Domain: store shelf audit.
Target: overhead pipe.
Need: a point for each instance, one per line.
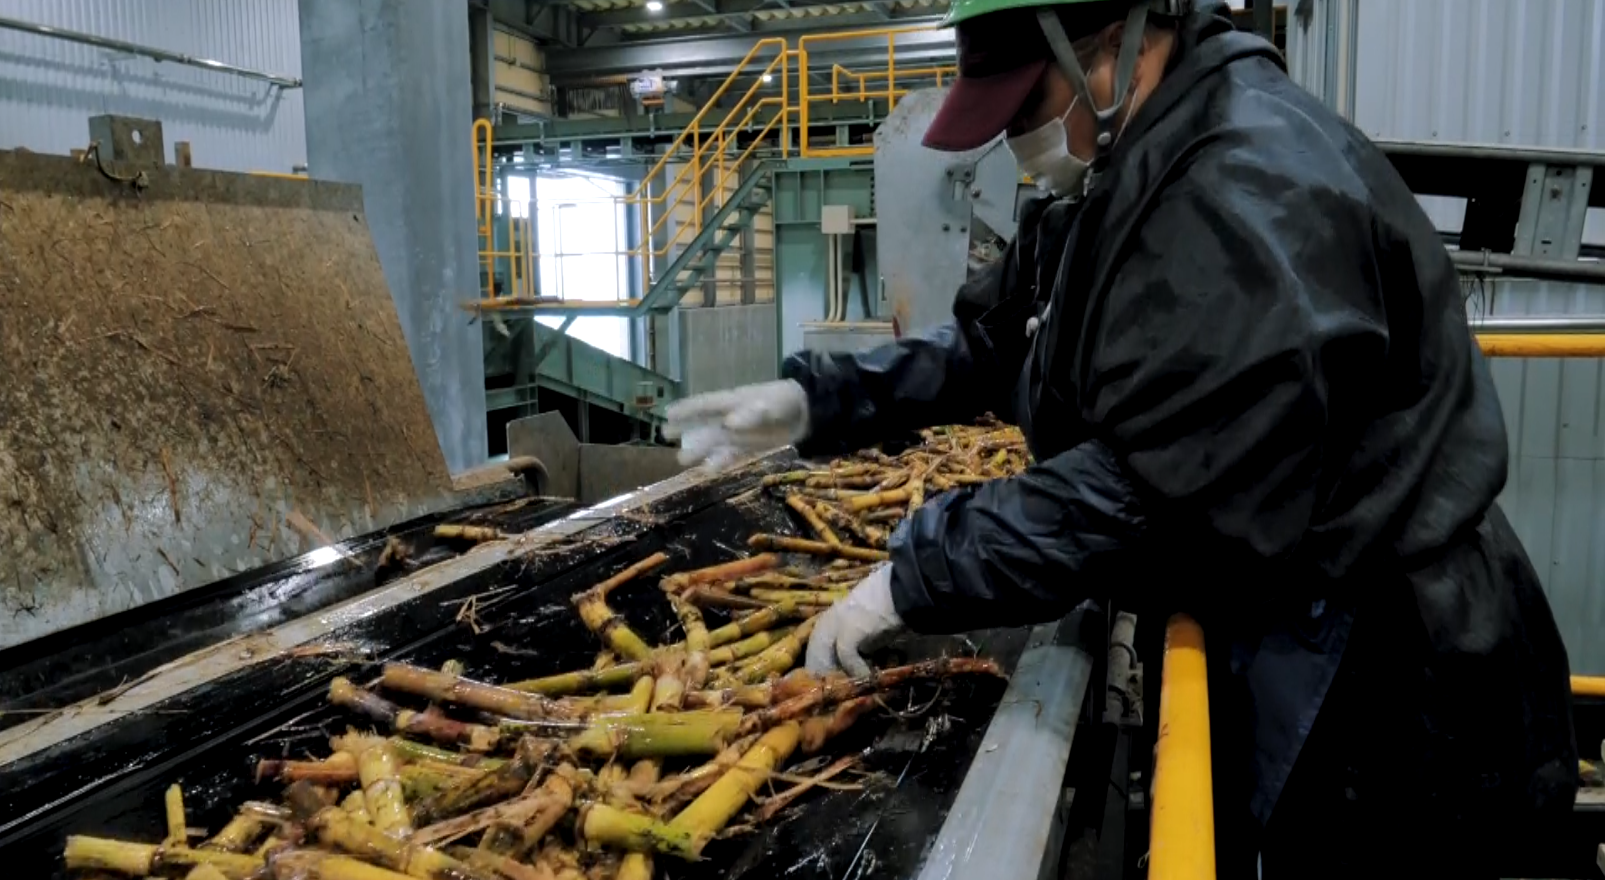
(27, 27)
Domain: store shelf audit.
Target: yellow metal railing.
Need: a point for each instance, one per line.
(688, 184)
(1181, 844)
(1562, 345)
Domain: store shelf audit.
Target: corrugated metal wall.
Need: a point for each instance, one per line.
(1517, 72)
(49, 88)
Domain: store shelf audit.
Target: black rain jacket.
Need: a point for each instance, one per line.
(1251, 395)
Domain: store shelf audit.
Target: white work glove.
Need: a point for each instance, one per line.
(717, 428)
(855, 625)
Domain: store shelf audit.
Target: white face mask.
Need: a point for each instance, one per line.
(1044, 154)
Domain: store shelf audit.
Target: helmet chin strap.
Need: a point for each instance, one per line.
(1125, 69)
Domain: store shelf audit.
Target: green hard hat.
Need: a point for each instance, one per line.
(964, 10)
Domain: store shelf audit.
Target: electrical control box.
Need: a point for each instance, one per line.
(836, 219)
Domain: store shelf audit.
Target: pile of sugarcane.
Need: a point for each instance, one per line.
(651, 752)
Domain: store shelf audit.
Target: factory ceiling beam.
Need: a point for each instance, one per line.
(552, 23)
(716, 56)
(741, 14)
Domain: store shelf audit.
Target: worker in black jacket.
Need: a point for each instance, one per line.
(1238, 351)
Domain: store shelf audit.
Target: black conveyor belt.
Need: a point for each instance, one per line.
(109, 782)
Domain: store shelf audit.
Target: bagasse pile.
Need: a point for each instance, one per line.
(649, 754)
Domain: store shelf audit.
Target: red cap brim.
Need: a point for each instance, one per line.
(978, 109)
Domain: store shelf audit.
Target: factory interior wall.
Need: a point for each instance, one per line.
(388, 105)
(1534, 79)
(49, 87)
(800, 265)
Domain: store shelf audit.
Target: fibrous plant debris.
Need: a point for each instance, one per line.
(609, 771)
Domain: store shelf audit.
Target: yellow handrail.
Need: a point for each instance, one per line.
(1563, 345)
(1181, 842)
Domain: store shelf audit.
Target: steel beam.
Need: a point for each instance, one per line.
(730, 10)
(711, 56)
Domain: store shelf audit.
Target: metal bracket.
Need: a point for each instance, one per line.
(1554, 207)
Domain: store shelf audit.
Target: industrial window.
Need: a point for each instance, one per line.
(580, 229)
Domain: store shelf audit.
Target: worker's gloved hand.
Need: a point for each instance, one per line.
(855, 625)
(717, 428)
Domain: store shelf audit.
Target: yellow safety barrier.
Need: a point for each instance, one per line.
(1181, 843)
(1588, 686)
(1556, 345)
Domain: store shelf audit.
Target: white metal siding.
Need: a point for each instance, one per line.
(1531, 73)
(49, 88)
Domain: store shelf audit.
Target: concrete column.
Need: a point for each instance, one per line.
(388, 106)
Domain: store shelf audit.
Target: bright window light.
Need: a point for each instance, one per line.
(768, 77)
(654, 5)
(323, 556)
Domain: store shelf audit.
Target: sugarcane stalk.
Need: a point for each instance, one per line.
(504, 782)
(656, 735)
(784, 799)
(696, 629)
(605, 659)
(177, 825)
(800, 597)
(431, 724)
(582, 681)
(787, 478)
(411, 751)
(379, 770)
(309, 864)
(813, 519)
(356, 806)
(557, 792)
(668, 687)
(747, 647)
(721, 598)
(237, 835)
(140, 860)
(706, 816)
(836, 690)
(205, 872)
(833, 494)
(474, 694)
(422, 780)
(499, 864)
(478, 534)
(670, 794)
(888, 514)
(819, 729)
(334, 827)
(724, 571)
(600, 619)
(749, 625)
(881, 499)
(515, 812)
(834, 481)
(817, 548)
(778, 658)
(606, 825)
(339, 768)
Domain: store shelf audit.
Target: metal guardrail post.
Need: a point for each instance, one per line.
(1182, 831)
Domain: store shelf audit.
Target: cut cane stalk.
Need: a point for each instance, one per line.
(177, 825)
(478, 534)
(411, 751)
(500, 865)
(334, 827)
(430, 724)
(656, 735)
(339, 768)
(356, 806)
(813, 519)
(205, 872)
(818, 730)
(504, 782)
(836, 690)
(238, 835)
(747, 647)
(605, 825)
(817, 548)
(801, 597)
(696, 629)
(474, 694)
(758, 621)
(600, 619)
(708, 814)
(378, 769)
(881, 499)
(778, 658)
(141, 860)
(677, 583)
(313, 865)
(582, 681)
